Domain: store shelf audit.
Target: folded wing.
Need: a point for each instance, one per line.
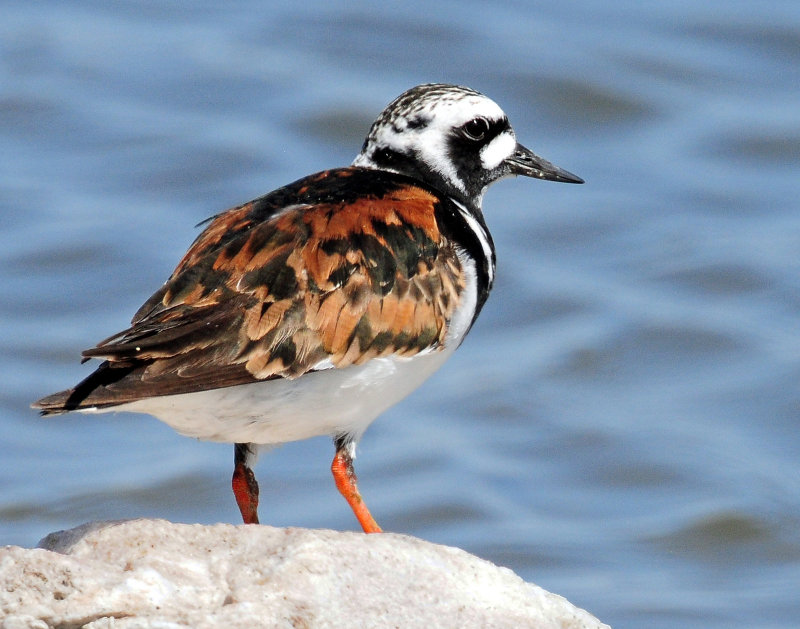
(276, 290)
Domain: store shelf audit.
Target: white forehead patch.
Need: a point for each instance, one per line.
(500, 148)
(456, 112)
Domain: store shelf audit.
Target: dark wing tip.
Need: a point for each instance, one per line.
(52, 404)
(91, 392)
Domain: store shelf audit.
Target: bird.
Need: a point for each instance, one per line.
(312, 309)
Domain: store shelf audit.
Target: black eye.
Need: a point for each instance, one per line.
(476, 129)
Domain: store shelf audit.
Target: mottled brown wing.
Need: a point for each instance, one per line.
(328, 283)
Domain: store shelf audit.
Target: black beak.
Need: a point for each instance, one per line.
(525, 162)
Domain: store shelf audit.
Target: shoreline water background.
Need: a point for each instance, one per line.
(621, 425)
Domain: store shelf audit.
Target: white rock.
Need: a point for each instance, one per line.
(155, 574)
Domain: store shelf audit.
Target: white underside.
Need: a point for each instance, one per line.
(328, 402)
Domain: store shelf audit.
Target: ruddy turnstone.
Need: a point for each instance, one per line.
(311, 310)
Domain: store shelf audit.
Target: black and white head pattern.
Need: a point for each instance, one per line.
(450, 137)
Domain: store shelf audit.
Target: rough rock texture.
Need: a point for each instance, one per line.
(152, 573)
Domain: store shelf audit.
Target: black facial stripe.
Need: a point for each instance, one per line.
(464, 154)
(455, 227)
(411, 166)
(496, 127)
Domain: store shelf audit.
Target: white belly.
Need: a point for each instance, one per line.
(329, 402)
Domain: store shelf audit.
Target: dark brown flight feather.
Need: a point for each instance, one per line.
(342, 266)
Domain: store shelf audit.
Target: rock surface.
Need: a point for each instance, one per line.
(152, 573)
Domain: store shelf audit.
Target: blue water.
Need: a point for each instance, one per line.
(622, 426)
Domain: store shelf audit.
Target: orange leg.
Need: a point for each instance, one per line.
(346, 483)
(244, 483)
